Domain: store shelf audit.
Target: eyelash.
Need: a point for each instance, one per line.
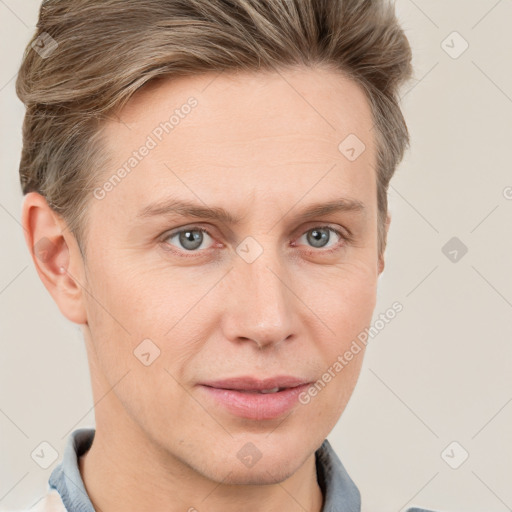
(345, 237)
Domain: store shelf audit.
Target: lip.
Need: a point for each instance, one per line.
(248, 383)
(239, 395)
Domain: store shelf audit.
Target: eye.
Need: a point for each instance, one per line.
(194, 239)
(189, 239)
(320, 236)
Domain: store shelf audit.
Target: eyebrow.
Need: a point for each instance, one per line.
(183, 208)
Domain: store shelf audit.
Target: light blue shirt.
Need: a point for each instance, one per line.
(340, 492)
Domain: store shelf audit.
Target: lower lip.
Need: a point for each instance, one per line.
(256, 406)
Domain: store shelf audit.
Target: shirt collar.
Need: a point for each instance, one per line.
(339, 491)
(66, 477)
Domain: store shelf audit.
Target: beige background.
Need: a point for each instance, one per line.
(440, 372)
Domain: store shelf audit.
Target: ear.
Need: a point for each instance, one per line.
(381, 263)
(56, 256)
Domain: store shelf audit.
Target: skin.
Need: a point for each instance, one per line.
(263, 150)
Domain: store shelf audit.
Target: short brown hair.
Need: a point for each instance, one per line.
(108, 49)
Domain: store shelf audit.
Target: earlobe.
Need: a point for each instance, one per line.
(55, 255)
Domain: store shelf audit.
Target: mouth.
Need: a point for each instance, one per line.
(256, 385)
(262, 391)
(256, 399)
(256, 391)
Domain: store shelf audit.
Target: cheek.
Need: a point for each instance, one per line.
(134, 310)
(118, 309)
(128, 290)
(345, 303)
(128, 316)
(343, 297)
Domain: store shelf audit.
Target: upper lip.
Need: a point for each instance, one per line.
(248, 383)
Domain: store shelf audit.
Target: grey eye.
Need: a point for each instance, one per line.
(189, 239)
(319, 237)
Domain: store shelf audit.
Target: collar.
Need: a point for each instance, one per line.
(66, 477)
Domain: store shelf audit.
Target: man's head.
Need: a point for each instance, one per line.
(257, 112)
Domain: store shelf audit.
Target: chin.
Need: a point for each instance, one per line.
(263, 474)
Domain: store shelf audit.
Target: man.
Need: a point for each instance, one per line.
(205, 190)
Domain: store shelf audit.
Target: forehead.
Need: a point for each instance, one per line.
(284, 128)
(324, 100)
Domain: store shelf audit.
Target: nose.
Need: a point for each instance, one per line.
(260, 308)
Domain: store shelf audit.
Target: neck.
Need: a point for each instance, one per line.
(120, 474)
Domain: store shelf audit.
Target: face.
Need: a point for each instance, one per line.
(240, 282)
